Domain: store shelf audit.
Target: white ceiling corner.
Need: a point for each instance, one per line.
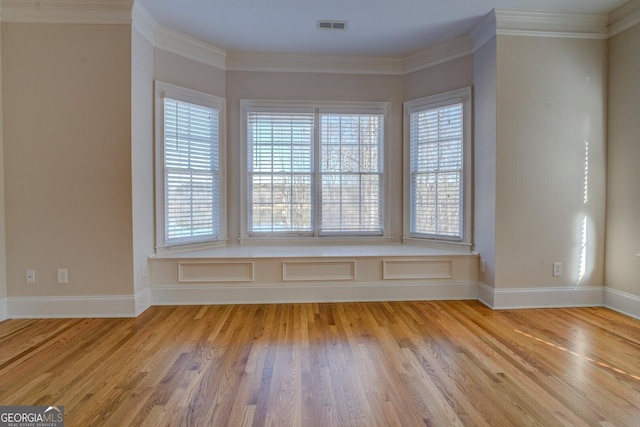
(444, 52)
(402, 28)
(624, 18)
(484, 31)
(190, 47)
(143, 22)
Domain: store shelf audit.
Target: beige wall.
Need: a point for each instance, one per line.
(551, 99)
(623, 172)
(313, 87)
(67, 140)
(440, 78)
(77, 138)
(484, 91)
(142, 63)
(181, 71)
(3, 238)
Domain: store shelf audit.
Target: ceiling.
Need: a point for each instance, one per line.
(393, 28)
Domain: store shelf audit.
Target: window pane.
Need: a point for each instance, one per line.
(436, 204)
(281, 203)
(436, 171)
(280, 165)
(351, 173)
(351, 203)
(189, 204)
(191, 169)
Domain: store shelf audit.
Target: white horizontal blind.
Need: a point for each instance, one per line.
(436, 187)
(351, 170)
(191, 172)
(280, 172)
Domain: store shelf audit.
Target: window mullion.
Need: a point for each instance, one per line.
(316, 175)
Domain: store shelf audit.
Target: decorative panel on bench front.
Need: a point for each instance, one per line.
(215, 271)
(318, 270)
(417, 269)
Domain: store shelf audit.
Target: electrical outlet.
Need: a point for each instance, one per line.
(557, 269)
(483, 265)
(63, 275)
(31, 276)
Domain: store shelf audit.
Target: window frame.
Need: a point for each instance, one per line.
(317, 108)
(166, 90)
(463, 96)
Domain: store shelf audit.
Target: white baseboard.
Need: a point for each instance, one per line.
(268, 294)
(142, 301)
(3, 309)
(132, 306)
(71, 306)
(580, 296)
(622, 302)
(485, 294)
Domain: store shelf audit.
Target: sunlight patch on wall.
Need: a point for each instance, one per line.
(582, 264)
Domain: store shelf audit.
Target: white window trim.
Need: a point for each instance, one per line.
(464, 96)
(166, 90)
(249, 105)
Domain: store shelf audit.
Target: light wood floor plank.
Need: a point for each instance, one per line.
(340, 364)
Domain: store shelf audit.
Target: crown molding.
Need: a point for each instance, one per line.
(551, 24)
(303, 63)
(540, 24)
(484, 31)
(624, 18)
(67, 11)
(497, 22)
(190, 47)
(439, 54)
(448, 51)
(143, 22)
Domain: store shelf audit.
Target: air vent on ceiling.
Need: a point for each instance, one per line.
(332, 25)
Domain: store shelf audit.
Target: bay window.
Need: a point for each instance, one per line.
(313, 169)
(189, 172)
(437, 171)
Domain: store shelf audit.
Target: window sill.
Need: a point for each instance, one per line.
(170, 250)
(315, 241)
(315, 251)
(438, 244)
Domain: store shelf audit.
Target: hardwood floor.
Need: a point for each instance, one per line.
(343, 364)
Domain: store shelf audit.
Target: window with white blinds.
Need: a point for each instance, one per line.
(437, 166)
(280, 172)
(351, 173)
(314, 171)
(191, 172)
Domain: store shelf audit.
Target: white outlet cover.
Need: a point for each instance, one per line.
(63, 275)
(31, 276)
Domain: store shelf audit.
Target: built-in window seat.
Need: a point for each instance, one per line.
(313, 273)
